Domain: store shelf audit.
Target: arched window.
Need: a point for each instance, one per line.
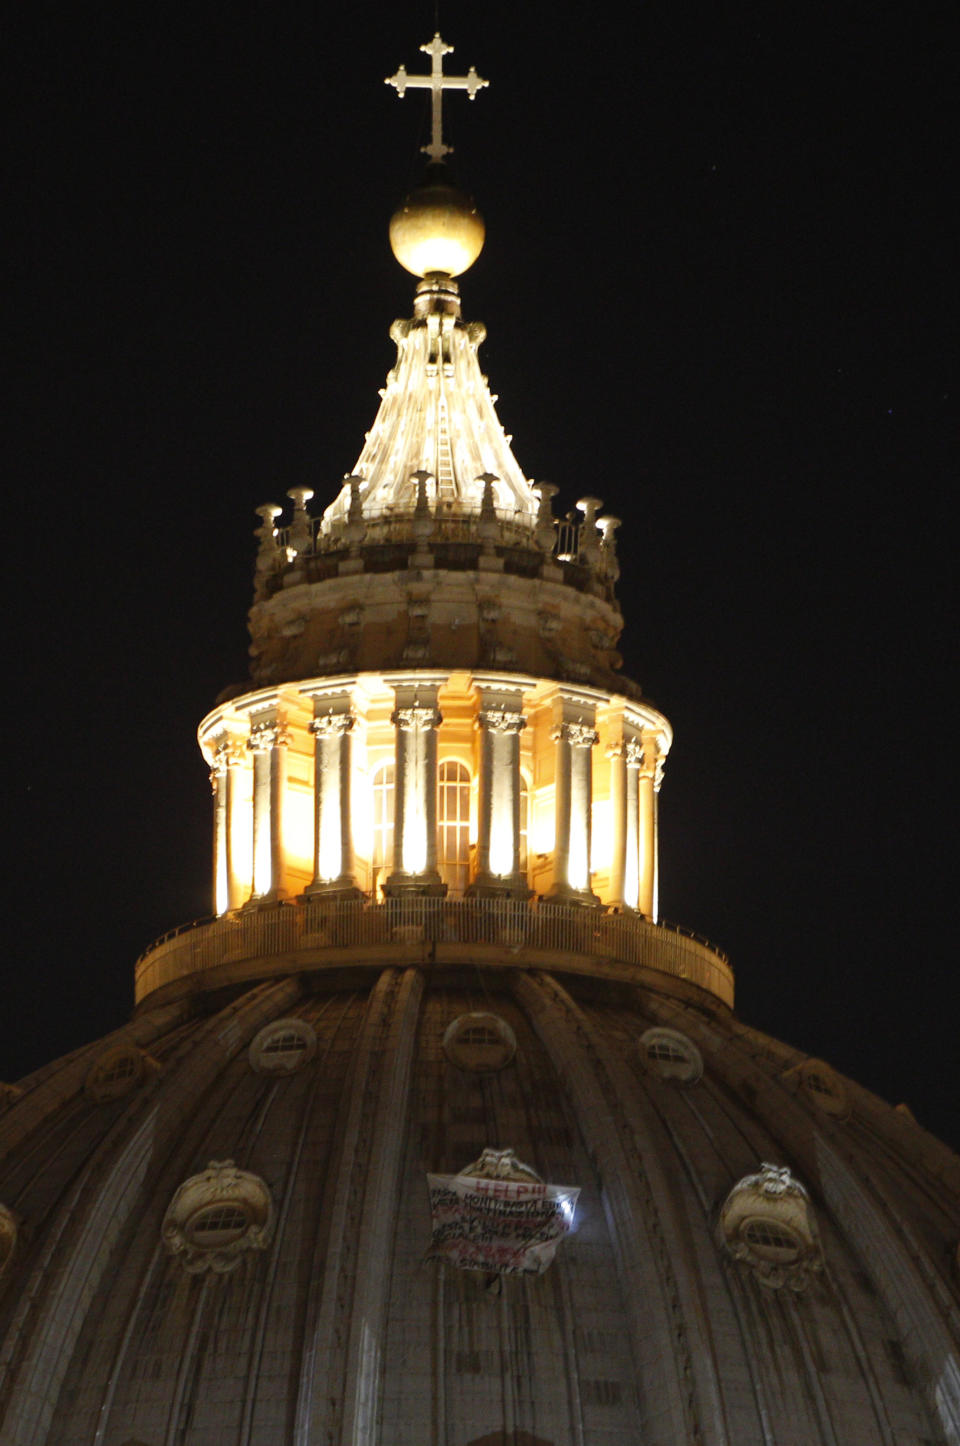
(453, 825)
(384, 803)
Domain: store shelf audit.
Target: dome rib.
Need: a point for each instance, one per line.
(646, 1271)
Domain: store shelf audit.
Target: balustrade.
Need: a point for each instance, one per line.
(319, 929)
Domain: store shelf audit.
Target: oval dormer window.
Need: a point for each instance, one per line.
(283, 1047)
(767, 1225)
(671, 1055)
(116, 1073)
(216, 1216)
(479, 1043)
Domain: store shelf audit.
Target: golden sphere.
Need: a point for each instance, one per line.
(436, 229)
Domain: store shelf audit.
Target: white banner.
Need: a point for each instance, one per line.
(504, 1227)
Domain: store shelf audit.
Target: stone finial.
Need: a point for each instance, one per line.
(545, 532)
(423, 523)
(355, 529)
(589, 537)
(268, 552)
(300, 535)
(608, 526)
(488, 512)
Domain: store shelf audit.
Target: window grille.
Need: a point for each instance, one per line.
(219, 1224)
(123, 1068)
(770, 1239)
(286, 1043)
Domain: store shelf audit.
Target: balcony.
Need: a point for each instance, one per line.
(316, 934)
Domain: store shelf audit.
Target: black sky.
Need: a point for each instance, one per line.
(717, 284)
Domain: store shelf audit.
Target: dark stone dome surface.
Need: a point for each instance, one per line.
(645, 1329)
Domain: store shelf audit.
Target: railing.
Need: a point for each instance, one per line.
(304, 931)
(451, 522)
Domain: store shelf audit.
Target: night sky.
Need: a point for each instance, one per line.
(716, 282)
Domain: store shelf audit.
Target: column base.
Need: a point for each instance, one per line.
(489, 886)
(342, 888)
(263, 901)
(563, 894)
(426, 886)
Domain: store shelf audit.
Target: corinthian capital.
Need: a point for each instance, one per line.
(578, 735)
(416, 720)
(227, 754)
(331, 725)
(264, 736)
(502, 720)
(634, 751)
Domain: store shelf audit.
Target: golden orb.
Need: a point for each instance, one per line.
(436, 229)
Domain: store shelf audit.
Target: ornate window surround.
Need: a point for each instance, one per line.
(216, 1217)
(767, 1224)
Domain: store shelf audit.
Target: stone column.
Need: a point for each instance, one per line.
(646, 827)
(633, 759)
(498, 835)
(331, 727)
(573, 784)
(618, 821)
(416, 719)
(228, 757)
(655, 892)
(219, 785)
(267, 743)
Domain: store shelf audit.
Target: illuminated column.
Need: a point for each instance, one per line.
(655, 894)
(219, 785)
(267, 743)
(333, 838)
(633, 761)
(646, 827)
(498, 834)
(618, 820)
(573, 788)
(415, 719)
(228, 755)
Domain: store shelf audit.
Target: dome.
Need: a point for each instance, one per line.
(434, 1129)
(234, 1254)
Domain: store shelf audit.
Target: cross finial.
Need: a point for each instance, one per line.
(436, 82)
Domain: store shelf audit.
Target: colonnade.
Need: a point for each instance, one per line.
(248, 767)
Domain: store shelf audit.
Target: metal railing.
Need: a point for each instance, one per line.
(302, 931)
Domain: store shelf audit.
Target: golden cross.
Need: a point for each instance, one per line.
(436, 82)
